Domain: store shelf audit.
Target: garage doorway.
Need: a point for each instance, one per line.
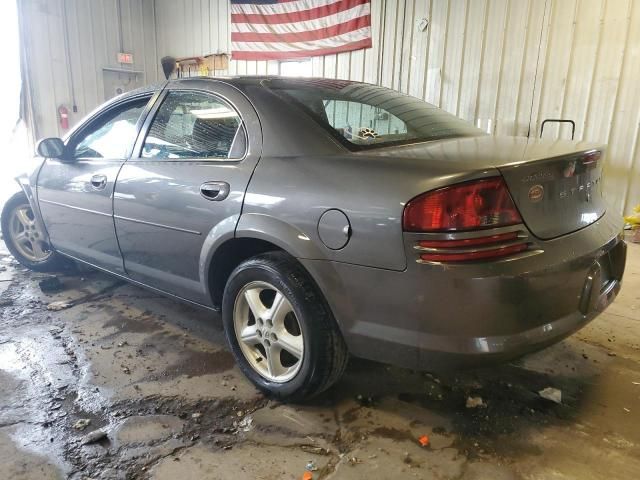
(13, 132)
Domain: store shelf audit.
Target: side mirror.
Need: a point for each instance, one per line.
(50, 148)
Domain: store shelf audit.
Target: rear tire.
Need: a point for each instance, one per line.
(291, 348)
(25, 240)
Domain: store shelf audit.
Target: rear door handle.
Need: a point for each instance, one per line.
(215, 191)
(98, 182)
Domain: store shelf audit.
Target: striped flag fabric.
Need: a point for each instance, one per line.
(290, 29)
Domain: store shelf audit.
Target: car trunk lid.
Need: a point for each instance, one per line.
(557, 196)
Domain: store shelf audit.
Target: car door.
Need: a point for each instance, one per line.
(75, 193)
(186, 184)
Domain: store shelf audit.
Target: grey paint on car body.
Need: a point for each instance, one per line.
(389, 306)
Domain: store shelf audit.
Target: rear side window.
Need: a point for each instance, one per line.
(195, 125)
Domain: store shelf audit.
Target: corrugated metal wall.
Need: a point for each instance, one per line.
(68, 44)
(504, 65)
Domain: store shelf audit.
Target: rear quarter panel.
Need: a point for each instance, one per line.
(371, 191)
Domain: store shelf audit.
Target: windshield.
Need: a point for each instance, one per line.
(366, 116)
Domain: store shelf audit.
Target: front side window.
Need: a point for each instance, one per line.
(195, 125)
(112, 135)
(363, 116)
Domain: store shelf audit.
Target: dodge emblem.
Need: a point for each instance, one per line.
(536, 193)
(569, 170)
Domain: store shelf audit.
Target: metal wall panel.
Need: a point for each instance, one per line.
(192, 27)
(69, 42)
(504, 65)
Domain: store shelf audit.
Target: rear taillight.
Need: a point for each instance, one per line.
(468, 206)
(465, 207)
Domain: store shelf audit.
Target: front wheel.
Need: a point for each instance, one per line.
(280, 329)
(25, 239)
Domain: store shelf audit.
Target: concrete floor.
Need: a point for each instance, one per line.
(155, 376)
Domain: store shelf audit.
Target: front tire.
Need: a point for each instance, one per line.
(280, 328)
(25, 239)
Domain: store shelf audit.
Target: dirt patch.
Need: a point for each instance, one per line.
(511, 407)
(393, 433)
(214, 422)
(194, 363)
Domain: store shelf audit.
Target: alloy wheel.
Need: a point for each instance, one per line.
(268, 332)
(26, 235)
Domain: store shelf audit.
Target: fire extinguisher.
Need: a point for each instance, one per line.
(63, 113)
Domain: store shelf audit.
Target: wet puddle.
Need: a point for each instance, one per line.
(145, 323)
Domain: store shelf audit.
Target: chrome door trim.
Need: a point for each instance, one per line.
(160, 225)
(73, 207)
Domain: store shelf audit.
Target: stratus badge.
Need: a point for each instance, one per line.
(536, 193)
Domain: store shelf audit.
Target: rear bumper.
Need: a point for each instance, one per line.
(434, 316)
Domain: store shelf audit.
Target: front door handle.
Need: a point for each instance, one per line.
(98, 182)
(215, 191)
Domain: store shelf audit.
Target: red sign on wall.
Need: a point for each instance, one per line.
(125, 58)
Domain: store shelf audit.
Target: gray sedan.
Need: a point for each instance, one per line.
(326, 218)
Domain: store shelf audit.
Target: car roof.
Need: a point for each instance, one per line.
(241, 82)
(257, 79)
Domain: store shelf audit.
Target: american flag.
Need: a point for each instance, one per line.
(288, 29)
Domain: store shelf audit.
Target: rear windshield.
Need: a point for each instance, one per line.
(365, 116)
